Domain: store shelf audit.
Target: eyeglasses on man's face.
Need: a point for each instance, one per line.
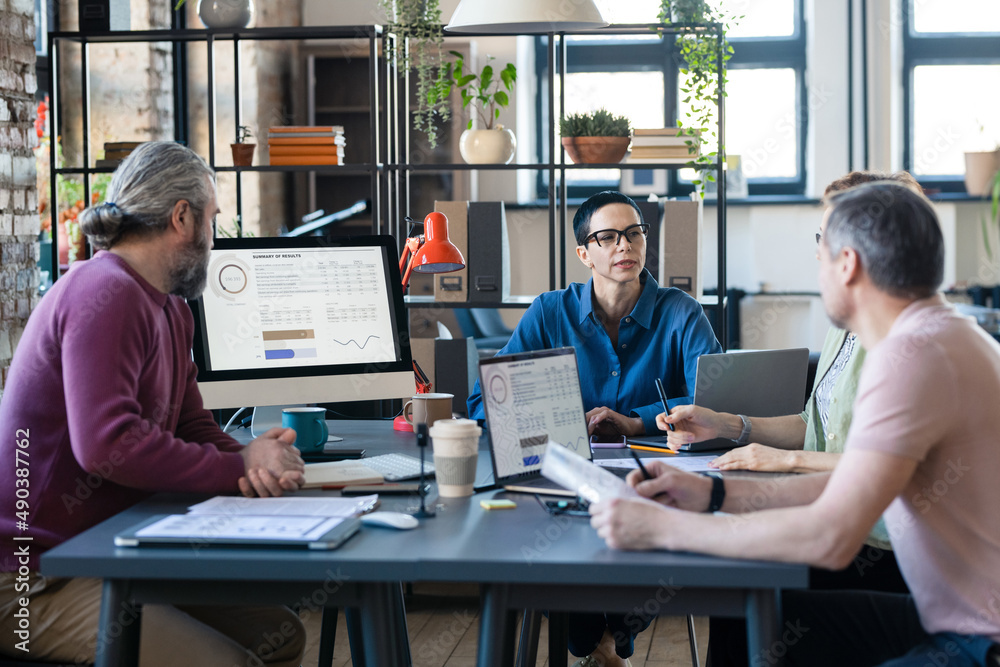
(819, 237)
(612, 237)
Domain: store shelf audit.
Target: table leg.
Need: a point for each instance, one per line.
(119, 626)
(385, 639)
(763, 628)
(496, 628)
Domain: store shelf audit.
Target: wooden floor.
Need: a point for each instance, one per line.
(443, 624)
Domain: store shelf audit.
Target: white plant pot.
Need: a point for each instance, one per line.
(487, 146)
(225, 13)
(979, 171)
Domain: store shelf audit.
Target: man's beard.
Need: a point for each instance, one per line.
(190, 274)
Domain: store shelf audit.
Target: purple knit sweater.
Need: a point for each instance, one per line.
(102, 399)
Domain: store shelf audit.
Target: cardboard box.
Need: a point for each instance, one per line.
(680, 246)
(454, 287)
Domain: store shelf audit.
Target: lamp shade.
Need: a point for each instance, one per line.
(437, 254)
(509, 17)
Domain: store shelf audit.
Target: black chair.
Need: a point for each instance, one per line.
(484, 326)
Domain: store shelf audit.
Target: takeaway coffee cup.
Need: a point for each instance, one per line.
(456, 450)
(427, 408)
(310, 427)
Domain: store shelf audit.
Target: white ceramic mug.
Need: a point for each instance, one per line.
(427, 408)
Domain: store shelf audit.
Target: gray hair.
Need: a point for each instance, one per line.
(896, 234)
(144, 190)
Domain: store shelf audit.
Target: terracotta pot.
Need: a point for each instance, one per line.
(487, 146)
(242, 154)
(596, 150)
(979, 171)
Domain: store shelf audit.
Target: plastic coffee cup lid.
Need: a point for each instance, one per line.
(455, 428)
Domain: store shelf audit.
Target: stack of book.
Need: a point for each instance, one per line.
(662, 144)
(306, 144)
(115, 152)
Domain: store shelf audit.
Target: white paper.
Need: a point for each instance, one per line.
(576, 473)
(218, 526)
(687, 463)
(285, 506)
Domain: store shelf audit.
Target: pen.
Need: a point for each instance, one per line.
(645, 473)
(663, 399)
(652, 449)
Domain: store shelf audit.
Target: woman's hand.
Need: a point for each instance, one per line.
(605, 421)
(693, 423)
(756, 457)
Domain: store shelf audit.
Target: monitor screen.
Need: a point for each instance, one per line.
(302, 320)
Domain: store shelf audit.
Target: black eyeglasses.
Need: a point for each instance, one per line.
(818, 237)
(612, 237)
(576, 507)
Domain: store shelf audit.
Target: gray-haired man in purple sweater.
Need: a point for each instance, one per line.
(101, 395)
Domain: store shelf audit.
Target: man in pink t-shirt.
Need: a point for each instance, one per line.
(923, 448)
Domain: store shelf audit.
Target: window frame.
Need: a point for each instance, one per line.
(945, 48)
(788, 52)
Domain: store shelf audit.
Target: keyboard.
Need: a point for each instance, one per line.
(397, 467)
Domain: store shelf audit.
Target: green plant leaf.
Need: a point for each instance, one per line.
(501, 98)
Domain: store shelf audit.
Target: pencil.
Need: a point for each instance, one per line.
(651, 449)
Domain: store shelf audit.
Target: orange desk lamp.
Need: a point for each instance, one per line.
(430, 252)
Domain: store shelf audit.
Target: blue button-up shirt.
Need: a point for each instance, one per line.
(662, 337)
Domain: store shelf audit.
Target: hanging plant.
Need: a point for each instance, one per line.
(417, 23)
(702, 50)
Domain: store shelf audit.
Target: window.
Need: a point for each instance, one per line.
(638, 76)
(951, 80)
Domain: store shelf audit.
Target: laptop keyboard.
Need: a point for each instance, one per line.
(397, 467)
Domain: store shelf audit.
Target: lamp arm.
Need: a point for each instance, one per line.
(413, 244)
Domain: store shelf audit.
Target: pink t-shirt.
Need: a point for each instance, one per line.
(930, 391)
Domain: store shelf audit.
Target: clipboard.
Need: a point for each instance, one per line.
(211, 530)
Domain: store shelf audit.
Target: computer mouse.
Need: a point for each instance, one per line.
(390, 520)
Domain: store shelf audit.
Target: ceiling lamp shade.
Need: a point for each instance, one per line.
(524, 16)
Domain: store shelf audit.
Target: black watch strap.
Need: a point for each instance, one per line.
(718, 496)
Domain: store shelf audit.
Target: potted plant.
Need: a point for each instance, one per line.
(416, 25)
(227, 14)
(702, 50)
(981, 166)
(490, 142)
(242, 150)
(595, 138)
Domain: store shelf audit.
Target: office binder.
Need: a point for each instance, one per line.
(489, 253)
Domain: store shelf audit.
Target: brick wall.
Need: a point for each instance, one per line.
(19, 224)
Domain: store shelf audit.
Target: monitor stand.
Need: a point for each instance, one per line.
(269, 416)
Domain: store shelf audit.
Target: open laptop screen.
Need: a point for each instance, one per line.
(532, 398)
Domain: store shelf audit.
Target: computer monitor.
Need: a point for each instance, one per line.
(287, 321)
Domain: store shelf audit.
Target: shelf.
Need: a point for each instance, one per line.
(196, 35)
(345, 109)
(541, 166)
(429, 302)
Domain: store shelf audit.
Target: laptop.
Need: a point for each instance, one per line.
(766, 383)
(530, 399)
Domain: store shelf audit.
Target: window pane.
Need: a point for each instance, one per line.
(761, 18)
(956, 15)
(954, 110)
(764, 135)
(636, 95)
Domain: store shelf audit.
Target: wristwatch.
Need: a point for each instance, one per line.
(718, 496)
(745, 433)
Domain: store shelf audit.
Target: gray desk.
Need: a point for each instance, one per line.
(523, 558)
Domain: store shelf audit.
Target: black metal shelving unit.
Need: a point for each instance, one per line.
(399, 169)
(378, 76)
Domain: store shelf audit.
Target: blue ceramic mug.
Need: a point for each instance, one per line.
(310, 427)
